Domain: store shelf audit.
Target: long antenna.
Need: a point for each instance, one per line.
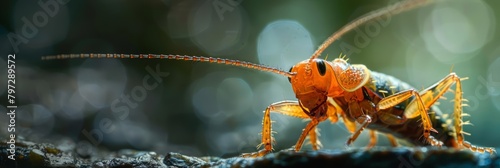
(175, 57)
(387, 11)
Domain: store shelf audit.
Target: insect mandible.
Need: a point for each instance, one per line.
(328, 90)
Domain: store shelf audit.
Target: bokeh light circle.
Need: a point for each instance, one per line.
(453, 36)
(493, 79)
(36, 118)
(100, 82)
(493, 83)
(204, 101)
(73, 107)
(284, 43)
(176, 20)
(218, 31)
(234, 95)
(137, 134)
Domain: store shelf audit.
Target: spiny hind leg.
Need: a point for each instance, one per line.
(458, 119)
(400, 97)
(436, 91)
(313, 138)
(433, 93)
(290, 108)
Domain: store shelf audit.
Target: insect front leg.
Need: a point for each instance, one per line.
(312, 124)
(290, 108)
(332, 111)
(400, 97)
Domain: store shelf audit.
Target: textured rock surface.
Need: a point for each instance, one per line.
(394, 157)
(66, 154)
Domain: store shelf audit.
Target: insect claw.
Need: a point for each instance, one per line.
(433, 130)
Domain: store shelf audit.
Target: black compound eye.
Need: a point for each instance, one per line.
(321, 67)
(290, 79)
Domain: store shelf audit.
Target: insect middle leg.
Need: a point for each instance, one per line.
(373, 140)
(364, 121)
(392, 140)
(290, 108)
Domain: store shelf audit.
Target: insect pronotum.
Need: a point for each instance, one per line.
(329, 90)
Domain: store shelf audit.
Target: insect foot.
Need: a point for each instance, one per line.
(256, 154)
(474, 148)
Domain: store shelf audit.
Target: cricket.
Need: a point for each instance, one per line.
(363, 99)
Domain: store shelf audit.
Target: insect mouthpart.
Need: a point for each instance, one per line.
(311, 102)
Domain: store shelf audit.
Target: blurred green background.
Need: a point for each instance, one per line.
(208, 109)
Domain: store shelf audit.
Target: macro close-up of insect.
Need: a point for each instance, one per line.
(413, 71)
